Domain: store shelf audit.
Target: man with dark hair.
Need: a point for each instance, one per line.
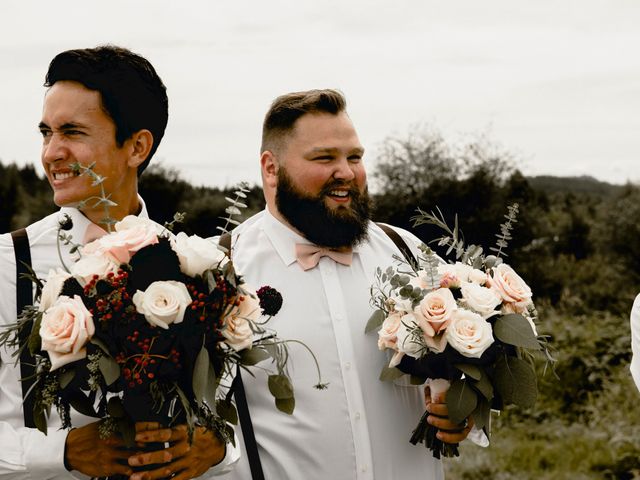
(316, 244)
(108, 108)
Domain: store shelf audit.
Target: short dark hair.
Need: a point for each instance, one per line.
(132, 93)
(287, 109)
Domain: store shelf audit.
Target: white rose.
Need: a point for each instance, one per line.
(90, 265)
(469, 333)
(237, 329)
(66, 328)
(480, 299)
(134, 221)
(163, 303)
(478, 276)
(511, 287)
(197, 254)
(52, 287)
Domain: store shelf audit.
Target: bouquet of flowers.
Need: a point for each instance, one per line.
(468, 326)
(149, 326)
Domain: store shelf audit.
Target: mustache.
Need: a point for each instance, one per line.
(332, 185)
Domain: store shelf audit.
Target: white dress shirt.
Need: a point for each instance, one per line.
(635, 341)
(358, 428)
(26, 453)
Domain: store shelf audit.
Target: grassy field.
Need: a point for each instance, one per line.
(586, 424)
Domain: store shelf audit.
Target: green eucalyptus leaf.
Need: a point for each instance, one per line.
(227, 411)
(375, 321)
(482, 414)
(115, 407)
(40, 419)
(109, 369)
(200, 375)
(514, 329)
(516, 382)
(485, 387)
(64, 378)
(286, 405)
(280, 386)
(469, 370)
(100, 344)
(461, 400)
(81, 404)
(254, 355)
(390, 373)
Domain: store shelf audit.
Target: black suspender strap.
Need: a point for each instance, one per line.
(250, 444)
(246, 425)
(400, 243)
(24, 297)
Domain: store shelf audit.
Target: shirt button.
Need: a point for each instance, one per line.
(339, 317)
(347, 365)
(357, 415)
(363, 468)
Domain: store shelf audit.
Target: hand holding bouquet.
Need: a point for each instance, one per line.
(470, 323)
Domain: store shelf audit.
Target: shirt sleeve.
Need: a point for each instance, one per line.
(635, 341)
(28, 454)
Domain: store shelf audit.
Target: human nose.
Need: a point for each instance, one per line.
(53, 148)
(344, 170)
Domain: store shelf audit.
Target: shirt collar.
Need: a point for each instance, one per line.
(283, 238)
(81, 223)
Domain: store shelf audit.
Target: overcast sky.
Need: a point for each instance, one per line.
(555, 82)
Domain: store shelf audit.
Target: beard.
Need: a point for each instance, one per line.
(321, 225)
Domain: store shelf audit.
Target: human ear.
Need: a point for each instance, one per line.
(269, 166)
(140, 144)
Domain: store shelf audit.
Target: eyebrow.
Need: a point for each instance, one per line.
(64, 126)
(332, 150)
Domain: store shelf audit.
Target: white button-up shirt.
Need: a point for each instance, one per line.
(358, 428)
(27, 453)
(635, 341)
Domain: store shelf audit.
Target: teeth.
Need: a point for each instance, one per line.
(339, 193)
(63, 176)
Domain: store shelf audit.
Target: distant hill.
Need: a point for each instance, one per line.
(584, 184)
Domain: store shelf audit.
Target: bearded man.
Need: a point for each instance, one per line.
(315, 243)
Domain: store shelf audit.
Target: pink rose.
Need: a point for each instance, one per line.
(129, 237)
(511, 287)
(237, 324)
(387, 334)
(66, 328)
(435, 310)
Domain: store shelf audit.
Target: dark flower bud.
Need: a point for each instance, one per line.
(270, 300)
(65, 222)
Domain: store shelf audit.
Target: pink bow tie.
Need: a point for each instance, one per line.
(93, 232)
(308, 256)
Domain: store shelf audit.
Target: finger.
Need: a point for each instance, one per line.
(144, 426)
(160, 435)
(150, 458)
(444, 424)
(179, 449)
(438, 409)
(163, 472)
(427, 395)
(454, 437)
